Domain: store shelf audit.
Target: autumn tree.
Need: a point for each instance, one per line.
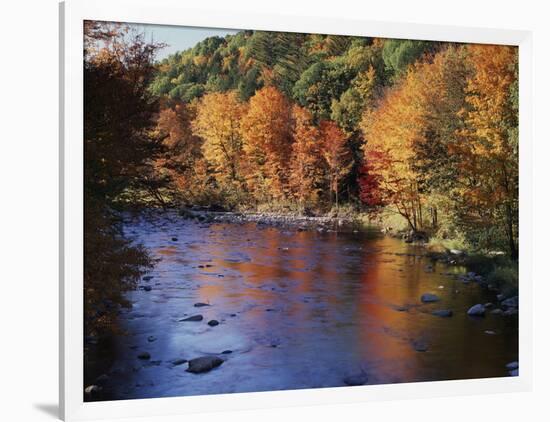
(267, 134)
(218, 123)
(488, 147)
(183, 148)
(306, 167)
(336, 154)
(120, 147)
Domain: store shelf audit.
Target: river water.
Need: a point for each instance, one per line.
(297, 309)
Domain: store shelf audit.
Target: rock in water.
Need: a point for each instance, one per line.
(150, 339)
(357, 379)
(227, 352)
(512, 302)
(144, 355)
(444, 313)
(147, 277)
(204, 364)
(477, 310)
(419, 346)
(429, 297)
(174, 239)
(92, 389)
(192, 318)
(213, 323)
(512, 365)
(147, 288)
(177, 362)
(514, 372)
(200, 304)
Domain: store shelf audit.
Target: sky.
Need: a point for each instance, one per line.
(178, 38)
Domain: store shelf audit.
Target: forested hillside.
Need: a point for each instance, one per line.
(309, 123)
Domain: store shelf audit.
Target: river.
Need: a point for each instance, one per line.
(296, 309)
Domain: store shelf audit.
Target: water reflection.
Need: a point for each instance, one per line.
(297, 310)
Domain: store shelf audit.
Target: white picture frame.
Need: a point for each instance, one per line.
(172, 12)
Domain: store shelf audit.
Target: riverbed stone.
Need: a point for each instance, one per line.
(497, 311)
(477, 310)
(147, 288)
(429, 298)
(174, 239)
(227, 352)
(204, 364)
(213, 322)
(356, 379)
(512, 365)
(420, 345)
(177, 362)
(147, 278)
(511, 302)
(194, 318)
(92, 390)
(444, 313)
(144, 356)
(200, 304)
(510, 312)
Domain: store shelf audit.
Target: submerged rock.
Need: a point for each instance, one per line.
(356, 379)
(204, 364)
(429, 297)
(477, 310)
(147, 288)
(144, 355)
(200, 304)
(213, 323)
(192, 318)
(512, 365)
(444, 313)
(420, 345)
(512, 302)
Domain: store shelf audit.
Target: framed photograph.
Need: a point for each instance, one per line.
(269, 210)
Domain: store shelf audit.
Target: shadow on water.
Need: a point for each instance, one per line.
(296, 309)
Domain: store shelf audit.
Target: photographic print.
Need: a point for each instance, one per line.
(269, 211)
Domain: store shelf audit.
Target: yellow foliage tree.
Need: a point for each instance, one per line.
(218, 123)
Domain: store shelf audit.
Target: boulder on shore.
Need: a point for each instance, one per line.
(477, 310)
(204, 364)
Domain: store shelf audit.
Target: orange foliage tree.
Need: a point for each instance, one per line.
(267, 134)
(336, 154)
(306, 162)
